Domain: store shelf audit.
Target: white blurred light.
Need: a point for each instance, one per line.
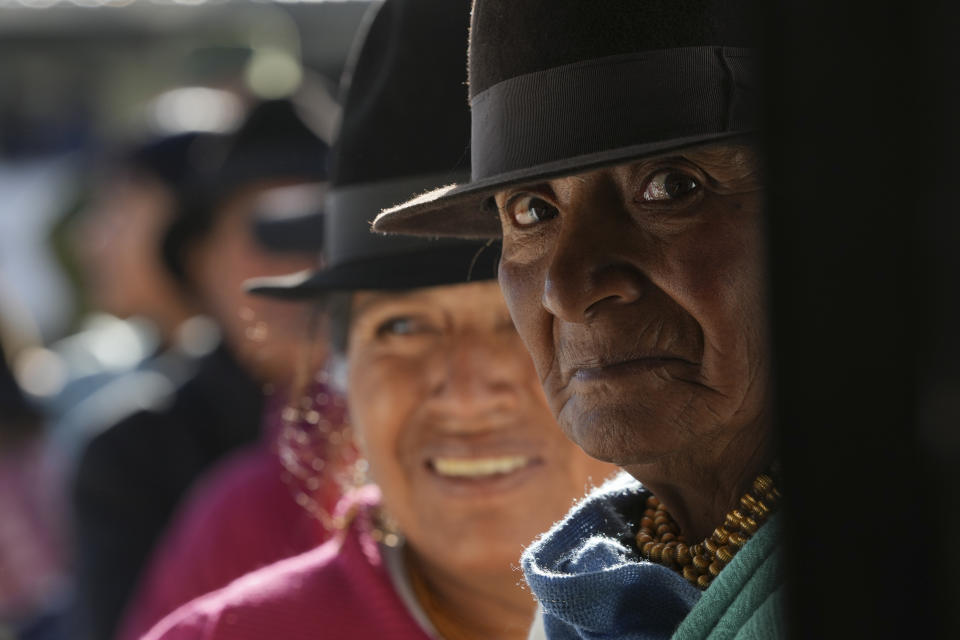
(196, 109)
(40, 372)
(295, 201)
(273, 73)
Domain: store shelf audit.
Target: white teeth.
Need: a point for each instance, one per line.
(474, 467)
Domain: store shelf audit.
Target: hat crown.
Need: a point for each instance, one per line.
(405, 105)
(510, 38)
(272, 143)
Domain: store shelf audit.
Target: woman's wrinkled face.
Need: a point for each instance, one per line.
(638, 289)
(455, 425)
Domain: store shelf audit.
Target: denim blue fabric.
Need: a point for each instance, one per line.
(590, 582)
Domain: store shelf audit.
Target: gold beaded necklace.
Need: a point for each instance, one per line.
(659, 539)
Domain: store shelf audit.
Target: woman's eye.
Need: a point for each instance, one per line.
(399, 326)
(527, 211)
(669, 185)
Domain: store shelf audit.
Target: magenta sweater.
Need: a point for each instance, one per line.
(239, 517)
(338, 590)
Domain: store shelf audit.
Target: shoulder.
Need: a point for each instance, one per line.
(346, 575)
(261, 601)
(605, 511)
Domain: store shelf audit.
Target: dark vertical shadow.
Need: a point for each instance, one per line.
(864, 217)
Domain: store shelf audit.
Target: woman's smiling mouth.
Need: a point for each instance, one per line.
(478, 467)
(491, 475)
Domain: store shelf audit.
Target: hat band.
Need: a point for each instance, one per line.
(610, 103)
(350, 211)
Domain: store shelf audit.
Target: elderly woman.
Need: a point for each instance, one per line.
(443, 396)
(617, 168)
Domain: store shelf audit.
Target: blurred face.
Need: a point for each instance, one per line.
(455, 425)
(268, 336)
(638, 290)
(118, 242)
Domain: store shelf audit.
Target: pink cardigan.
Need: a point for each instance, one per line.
(338, 590)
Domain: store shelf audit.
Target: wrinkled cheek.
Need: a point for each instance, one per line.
(522, 289)
(558, 398)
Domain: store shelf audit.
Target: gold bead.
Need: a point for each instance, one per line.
(701, 563)
(669, 536)
(710, 545)
(714, 568)
(725, 554)
(763, 483)
(749, 525)
(690, 573)
(663, 528)
(703, 581)
(655, 551)
(646, 523)
(737, 540)
(643, 537)
(653, 502)
(661, 520)
(646, 548)
(668, 555)
(720, 535)
(683, 553)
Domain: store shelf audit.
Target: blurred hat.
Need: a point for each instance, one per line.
(273, 144)
(405, 129)
(563, 87)
(171, 159)
(290, 219)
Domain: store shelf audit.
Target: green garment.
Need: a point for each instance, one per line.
(745, 601)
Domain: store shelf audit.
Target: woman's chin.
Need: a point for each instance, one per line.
(618, 433)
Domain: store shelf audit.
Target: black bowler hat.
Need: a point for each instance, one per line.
(273, 144)
(405, 128)
(561, 87)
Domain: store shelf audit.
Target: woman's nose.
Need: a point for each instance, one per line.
(591, 263)
(480, 373)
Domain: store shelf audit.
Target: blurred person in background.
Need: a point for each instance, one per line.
(275, 499)
(443, 396)
(144, 338)
(133, 475)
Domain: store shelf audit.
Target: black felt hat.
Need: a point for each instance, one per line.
(561, 87)
(272, 144)
(405, 128)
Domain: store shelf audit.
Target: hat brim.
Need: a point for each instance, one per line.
(435, 267)
(460, 210)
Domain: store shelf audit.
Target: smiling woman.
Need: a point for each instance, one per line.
(456, 427)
